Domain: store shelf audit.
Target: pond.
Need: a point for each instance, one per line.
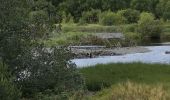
(156, 55)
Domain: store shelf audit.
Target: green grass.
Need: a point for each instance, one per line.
(131, 91)
(66, 38)
(95, 28)
(101, 76)
(73, 33)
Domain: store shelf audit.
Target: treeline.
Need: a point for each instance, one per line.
(76, 9)
(160, 8)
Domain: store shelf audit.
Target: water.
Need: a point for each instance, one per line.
(156, 55)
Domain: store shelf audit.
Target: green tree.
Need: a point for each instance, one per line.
(166, 14)
(161, 8)
(132, 16)
(49, 70)
(14, 31)
(110, 18)
(148, 26)
(33, 67)
(91, 16)
(42, 18)
(145, 5)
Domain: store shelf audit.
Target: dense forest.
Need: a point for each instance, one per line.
(160, 8)
(31, 70)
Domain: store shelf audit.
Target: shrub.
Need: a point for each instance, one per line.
(49, 71)
(131, 39)
(149, 27)
(39, 24)
(67, 18)
(8, 90)
(110, 18)
(132, 16)
(90, 17)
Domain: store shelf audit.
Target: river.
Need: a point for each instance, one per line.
(156, 55)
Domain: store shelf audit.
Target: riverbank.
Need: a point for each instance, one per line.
(97, 52)
(84, 34)
(104, 76)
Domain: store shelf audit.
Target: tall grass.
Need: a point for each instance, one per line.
(96, 28)
(67, 38)
(101, 76)
(132, 91)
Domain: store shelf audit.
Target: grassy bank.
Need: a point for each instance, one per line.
(101, 76)
(97, 28)
(75, 34)
(132, 91)
(67, 38)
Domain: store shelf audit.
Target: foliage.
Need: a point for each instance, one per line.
(162, 9)
(166, 14)
(76, 8)
(145, 5)
(48, 71)
(132, 16)
(39, 27)
(90, 17)
(132, 91)
(67, 18)
(132, 36)
(35, 69)
(14, 31)
(110, 18)
(8, 91)
(42, 19)
(149, 27)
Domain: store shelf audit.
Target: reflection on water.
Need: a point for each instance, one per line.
(157, 55)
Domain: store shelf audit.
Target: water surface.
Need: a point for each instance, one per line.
(156, 55)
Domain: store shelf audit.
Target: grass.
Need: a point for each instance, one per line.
(101, 76)
(73, 33)
(132, 91)
(96, 28)
(66, 38)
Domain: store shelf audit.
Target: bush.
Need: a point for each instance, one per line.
(49, 71)
(8, 90)
(132, 16)
(39, 24)
(90, 17)
(149, 27)
(110, 18)
(132, 35)
(67, 18)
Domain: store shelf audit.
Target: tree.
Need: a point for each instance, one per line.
(42, 18)
(110, 18)
(14, 31)
(148, 26)
(162, 8)
(91, 16)
(166, 14)
(132, 16)
(145, 5)
(49, 69)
